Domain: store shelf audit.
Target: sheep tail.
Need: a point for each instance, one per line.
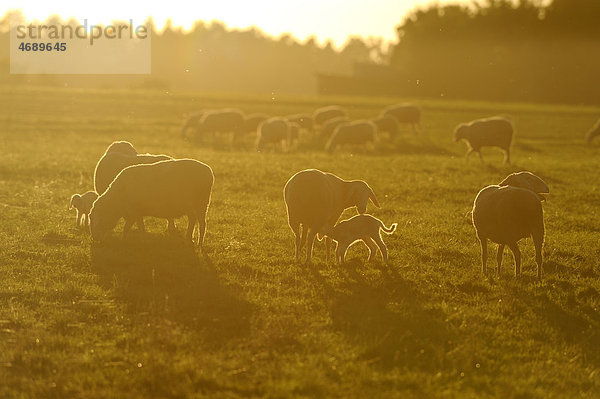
(389, 230)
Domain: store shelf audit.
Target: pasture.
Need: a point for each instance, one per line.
(151, 317)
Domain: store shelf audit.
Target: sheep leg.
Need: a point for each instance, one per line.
(372, 247)
(310, 244)
(86, 217)
(507, 156)
(499, 258)
(480, 156)
(382, 247)
(189, 235)
(517, 254)
(171, 226)
(201, 229)
(340, 252)
(140, 224)
(328, 242)
(127, 227)
(78, 220)
(538, 240)
(469, 152)
(483, 242)
(299, 237)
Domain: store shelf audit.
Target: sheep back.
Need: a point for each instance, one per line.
(356, 133)
(273, 130)
(323, 114)
(221, 121)
(121, 147)
(492, 132)
(403, 113)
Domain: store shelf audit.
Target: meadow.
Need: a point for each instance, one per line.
(150, 317)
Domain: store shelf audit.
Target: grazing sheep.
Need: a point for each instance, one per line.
(226, 120)
(529, 181)
(355, 133)
(167, 189)
(489, 132)
(405, 113)
(252, 121)
(273, 131)
(365, 228)
(389, 125)
(329, 126)
(83, 204)
(305, 121)
(505, 215)
(294, 132)
(594, 131)
(191, 123)
(322, 115)
(121, 147)
(314, 199)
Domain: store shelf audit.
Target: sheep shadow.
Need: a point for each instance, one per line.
(163, 277)
(385, 318)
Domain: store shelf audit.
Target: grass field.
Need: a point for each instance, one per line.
(150, 317)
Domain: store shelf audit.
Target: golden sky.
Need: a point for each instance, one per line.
(326, 19)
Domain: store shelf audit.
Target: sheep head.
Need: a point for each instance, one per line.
(102, 220)
(595, 131)
(75, 201)
(359, 194)
(529, 181)
(460, 132)
(122, 147)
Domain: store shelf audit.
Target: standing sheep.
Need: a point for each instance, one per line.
(314, 199)
(252, 121)
(405, 113)
(167, 189)
(505, 214)
(191, 123)
(389, 125)
(226, 120)
(359, 132)
(489, 132)
(83, 204)
(323, 114)
(593, 132)
(273, 131)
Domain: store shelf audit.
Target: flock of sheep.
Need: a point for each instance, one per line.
(130, 185)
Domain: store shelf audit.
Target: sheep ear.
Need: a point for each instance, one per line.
(373, 199)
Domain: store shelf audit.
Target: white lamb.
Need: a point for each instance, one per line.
(83, 204)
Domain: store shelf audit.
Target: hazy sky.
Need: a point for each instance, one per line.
(334, 19)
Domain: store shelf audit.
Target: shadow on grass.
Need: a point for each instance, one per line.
(386, 320)
(164, 277)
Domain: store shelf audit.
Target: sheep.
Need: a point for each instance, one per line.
(121, 147)
(506, 213)
(83, 204)
(387, 124)
(305, 121)
(273, 131)
(405, 113)
(252, 121)
(166, 189)
(226, 120)
(488, 132)
(323, 114)
(365, 228)
(294, 132)
(356, 133)
(327, 129)
(593, 132)
(191, 122)
(314, 198)
(528, 181)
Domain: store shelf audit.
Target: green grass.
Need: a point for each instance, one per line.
(150, 317)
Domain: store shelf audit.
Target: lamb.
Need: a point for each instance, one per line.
(252, 121)
(323, 114)
(405, 113)
(305, 121)
(593, 132)
(273, 131)
(388, 124)
(364, 228)
(83, 204)
(228, 120)
(356, 133)
(314, 199)
(166, 189)
(489, 132)
(191, 122)
(505, 214)
(329, 126)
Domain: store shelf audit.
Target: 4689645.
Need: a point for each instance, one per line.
(43, 46)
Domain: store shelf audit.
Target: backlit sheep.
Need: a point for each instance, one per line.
(489, 132)
(252, 121)
(226, 120)
(83, 204)
(121, 147)
(314, 199)
(387, 124)
(327, 129)
(322, 115)
(273, 131)
(365, 228)
(191, 123)
(305, 121)
(167, 189)
(405, 114)
(359, 132)
(593, 132)
(505, 215)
